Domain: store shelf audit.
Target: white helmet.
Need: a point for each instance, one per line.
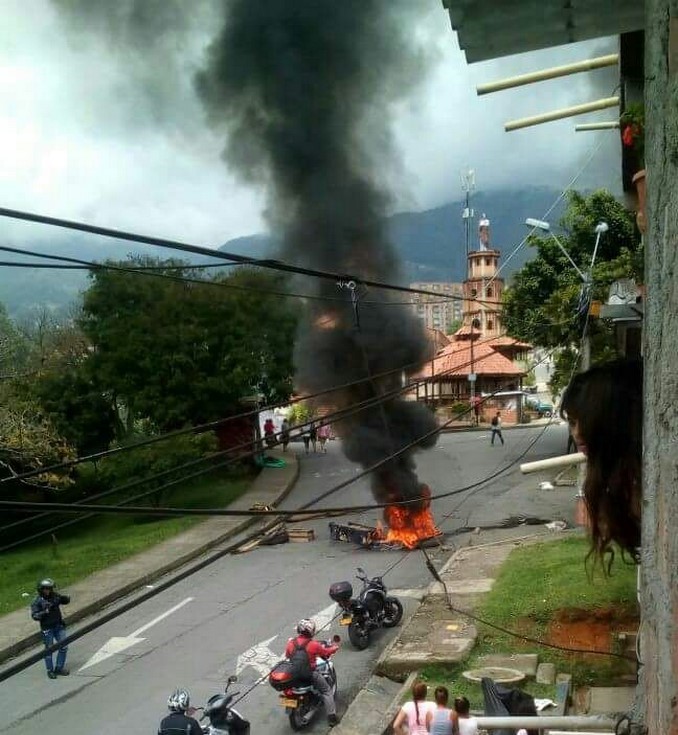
(306, 626)
(179, 700)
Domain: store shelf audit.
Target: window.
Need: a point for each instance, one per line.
(474, 293)
(489, 292)
(487, 261)
(490, 325)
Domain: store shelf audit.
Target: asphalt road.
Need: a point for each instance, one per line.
(241, 601)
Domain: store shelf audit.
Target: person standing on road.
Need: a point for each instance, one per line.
(441, 720)
(269, 433)
(496, 427)
(285, 434)
(46, 609)
(313, 435)
(179, 721)
(413, 714)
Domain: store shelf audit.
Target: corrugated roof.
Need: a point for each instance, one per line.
(489, 29)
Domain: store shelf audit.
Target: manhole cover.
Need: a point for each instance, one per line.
(498, 674)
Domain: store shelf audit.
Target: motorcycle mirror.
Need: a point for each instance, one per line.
(232, 679)
(336, 639)
(360, 570)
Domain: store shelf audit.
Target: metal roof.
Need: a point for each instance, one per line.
(488, 29)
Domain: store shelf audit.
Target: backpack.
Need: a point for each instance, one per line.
(300, 664)
(495, 421)
(293, 670)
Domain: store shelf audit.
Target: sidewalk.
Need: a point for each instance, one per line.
(18, 631)
(434, 634)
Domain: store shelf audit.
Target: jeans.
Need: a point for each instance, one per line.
(497, 432)
(321, 685)
(55, 635)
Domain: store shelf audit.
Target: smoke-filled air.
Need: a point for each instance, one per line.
(304, 91)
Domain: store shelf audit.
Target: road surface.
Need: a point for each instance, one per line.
(241, 609)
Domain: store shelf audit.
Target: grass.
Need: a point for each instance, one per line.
(93, 545)
(533, 584)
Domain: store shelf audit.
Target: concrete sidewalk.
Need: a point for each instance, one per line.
(18, 631)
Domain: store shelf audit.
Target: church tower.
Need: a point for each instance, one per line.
(483, 288)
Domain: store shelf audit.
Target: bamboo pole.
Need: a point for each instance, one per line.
(553, 73)
(526, 122)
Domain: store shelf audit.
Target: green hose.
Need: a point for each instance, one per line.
(272, 462)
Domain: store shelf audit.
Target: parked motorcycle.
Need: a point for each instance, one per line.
(301, 700)
(223, 719)
(374, 608)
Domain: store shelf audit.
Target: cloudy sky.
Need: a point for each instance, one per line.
(92, 129)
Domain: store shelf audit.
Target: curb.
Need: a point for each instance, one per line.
(113, 595)
(511, 427)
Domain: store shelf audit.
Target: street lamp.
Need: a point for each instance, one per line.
(587, 278)
(475, 323)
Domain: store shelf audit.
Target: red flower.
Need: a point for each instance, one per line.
(628, 136)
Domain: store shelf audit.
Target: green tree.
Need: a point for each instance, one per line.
(181, 353)
(541, 306)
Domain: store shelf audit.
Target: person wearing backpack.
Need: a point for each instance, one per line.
(302, 652)
(496, 427)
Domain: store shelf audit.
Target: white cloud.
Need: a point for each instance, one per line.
(80, 139)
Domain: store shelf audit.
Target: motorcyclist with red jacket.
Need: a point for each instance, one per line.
(314, 648)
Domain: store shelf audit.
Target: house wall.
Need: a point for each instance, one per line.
(657, 701)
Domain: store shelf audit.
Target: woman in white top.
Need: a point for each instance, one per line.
(412, 714)
(466, 724)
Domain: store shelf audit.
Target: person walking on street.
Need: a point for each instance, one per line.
(46, 609)
(496, 427)
(285, 434)
(307, 440)
(323, 436)
(441, 720)
(413, 714)
(313, 434)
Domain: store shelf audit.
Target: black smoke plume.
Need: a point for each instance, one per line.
(304, 90)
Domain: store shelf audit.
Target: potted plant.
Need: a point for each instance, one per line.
(632, 126)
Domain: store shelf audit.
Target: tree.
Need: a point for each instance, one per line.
(542, 304)
(182, 353)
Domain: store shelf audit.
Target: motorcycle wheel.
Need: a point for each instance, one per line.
(393, 612)
(297, 719)
(359, 636)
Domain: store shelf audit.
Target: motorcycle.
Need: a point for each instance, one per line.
(301, 700)
(223, 719)
(374, 608)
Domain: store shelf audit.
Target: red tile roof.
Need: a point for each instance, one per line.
(455, 360)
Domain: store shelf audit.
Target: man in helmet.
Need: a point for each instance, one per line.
(177, 721)
(313, 648)
(46, 609)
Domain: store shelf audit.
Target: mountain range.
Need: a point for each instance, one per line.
(430, 244)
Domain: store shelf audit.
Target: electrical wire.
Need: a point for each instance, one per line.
(328, 512)
(208, 426)
(268, 263)
(519, 636)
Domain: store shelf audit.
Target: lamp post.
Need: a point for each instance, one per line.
(475, 323)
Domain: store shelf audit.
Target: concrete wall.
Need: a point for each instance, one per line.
(658, 691)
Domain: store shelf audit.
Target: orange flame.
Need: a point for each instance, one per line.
(409, 526)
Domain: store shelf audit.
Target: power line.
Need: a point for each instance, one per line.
(269, 263)
(208, 426)
(519, 636)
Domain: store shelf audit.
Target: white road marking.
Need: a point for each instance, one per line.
(118, 644)
(259, 657)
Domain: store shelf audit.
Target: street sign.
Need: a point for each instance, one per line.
(472, 378)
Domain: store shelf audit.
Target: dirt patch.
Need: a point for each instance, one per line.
(591, 629)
